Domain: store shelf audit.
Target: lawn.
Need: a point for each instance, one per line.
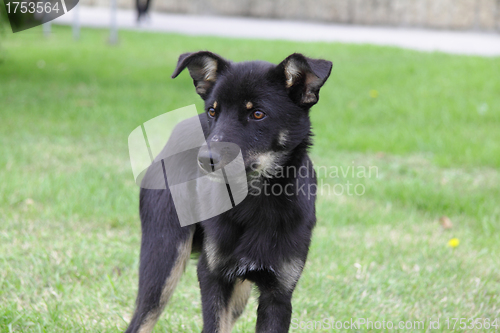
(428, 125)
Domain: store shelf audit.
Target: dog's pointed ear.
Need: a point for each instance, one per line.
(304, 77)
(204, 67)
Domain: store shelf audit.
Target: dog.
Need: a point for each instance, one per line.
(263, 108)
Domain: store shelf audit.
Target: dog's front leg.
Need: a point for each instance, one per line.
(275, 310)
(219, 313)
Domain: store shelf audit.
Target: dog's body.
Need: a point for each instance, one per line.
(264, 240)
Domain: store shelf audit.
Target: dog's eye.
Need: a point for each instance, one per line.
(211, 112)
(258, 115)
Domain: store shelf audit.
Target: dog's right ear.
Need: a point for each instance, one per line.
(204, 67)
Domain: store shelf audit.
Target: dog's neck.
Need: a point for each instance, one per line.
(297, 154)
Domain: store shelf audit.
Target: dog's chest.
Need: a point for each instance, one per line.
(240, 259)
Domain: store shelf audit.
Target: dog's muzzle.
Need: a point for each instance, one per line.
(217, 155)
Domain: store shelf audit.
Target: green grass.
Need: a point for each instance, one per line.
(69, 227)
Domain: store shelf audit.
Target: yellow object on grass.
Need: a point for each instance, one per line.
(453, 242)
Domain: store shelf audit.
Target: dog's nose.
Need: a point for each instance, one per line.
(208, 160)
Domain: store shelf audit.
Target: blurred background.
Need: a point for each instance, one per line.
(420, 241)
(440, 14)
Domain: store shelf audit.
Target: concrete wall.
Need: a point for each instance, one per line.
(439, 14)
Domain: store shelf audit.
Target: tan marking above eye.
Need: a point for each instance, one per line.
(215, 105)
(249, 105)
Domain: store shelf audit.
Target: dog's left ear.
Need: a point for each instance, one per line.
(304, 77)
(204, 67)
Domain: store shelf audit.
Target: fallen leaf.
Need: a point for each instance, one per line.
(445, 222)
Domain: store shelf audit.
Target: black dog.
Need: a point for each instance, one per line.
(264, 109)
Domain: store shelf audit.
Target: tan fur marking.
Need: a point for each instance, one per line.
(237, 303)
(290, 273)
(283, 137)
(210, 69)
(224, 322)
(239, 298)
(148, 324)
(249, 105)
(215, 105)
(266, 164)
(292, 72)
(210, 249)
(183, 254)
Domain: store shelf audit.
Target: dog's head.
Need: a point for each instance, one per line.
(261, 107)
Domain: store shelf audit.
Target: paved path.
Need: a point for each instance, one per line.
(475, 43)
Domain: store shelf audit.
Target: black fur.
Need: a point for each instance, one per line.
(265, 239)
